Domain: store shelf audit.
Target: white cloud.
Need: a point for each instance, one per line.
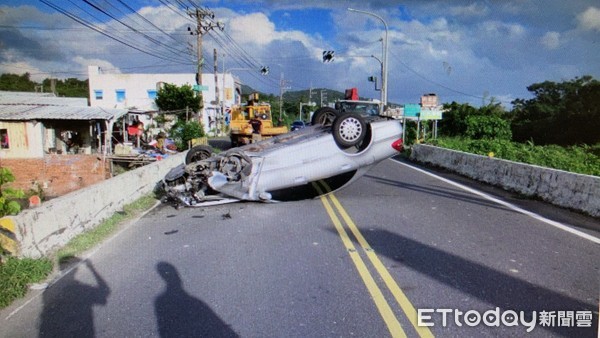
(254, 28)
(445, 47)
(498, 28)
(163, 17)
(257, 29)
(551, 40)
(473, 10)
(103, 64)
(590, 19)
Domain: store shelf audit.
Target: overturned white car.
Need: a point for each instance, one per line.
(283, 167)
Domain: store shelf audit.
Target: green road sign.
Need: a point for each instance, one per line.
(199, 88)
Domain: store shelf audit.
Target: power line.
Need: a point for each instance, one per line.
(437, 83)
(134, 12)
(133, 29)
(115, 20)
(79, 18)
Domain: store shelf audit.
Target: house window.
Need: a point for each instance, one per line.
(4, 139)
(152, 94)
(98, 94)
(120, 95)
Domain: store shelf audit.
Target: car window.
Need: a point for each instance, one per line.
(361, 108)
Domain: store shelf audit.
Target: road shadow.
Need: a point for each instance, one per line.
(178, 314)
(534, 204)
(453, 194)
(479, 281)
(68, 304)
(507, 291)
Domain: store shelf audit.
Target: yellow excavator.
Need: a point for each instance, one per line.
(241, 130)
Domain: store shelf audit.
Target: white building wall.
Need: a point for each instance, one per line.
(136, 87)
(26, 139)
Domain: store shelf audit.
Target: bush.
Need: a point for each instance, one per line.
(577, 159)
(492, 127)
(9, 196)
(183, 132)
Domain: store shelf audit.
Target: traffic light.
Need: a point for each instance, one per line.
(328, 55)
(264, 70)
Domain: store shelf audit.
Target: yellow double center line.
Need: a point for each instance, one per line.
(382, 305)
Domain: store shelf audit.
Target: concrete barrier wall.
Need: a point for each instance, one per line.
(51, 225)
(565, 189)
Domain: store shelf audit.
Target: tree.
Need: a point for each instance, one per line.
(184, 131)
(173, 98)
(17, 83)
(70, 87)
(488, 121)
(454, 122)
(566, 113)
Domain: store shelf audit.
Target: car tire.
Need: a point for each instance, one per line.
(198, 153)
(349, 130)
(235, 164)
(324, 116)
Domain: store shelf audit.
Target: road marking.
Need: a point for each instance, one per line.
(508, 205)
(382, 305)
(8, 237)
(83, 260)
(389, 281)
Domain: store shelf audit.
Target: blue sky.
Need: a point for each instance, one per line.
(465, 51)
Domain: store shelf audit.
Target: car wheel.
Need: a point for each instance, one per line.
(235, 165)
(324, 116)
(198, 153)
(349, 130)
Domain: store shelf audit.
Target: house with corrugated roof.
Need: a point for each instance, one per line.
(35, 124)
(54, 144)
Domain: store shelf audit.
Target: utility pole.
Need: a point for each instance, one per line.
(323, 97)
(203, 26)
(53, 86)
(282, 88)
(217, 112)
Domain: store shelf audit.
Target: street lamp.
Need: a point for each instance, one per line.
(381, 70)
(384, 71)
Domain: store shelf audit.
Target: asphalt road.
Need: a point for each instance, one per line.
(363, 262)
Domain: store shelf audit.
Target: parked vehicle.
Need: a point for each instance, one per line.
(279, 167)
(297, 125)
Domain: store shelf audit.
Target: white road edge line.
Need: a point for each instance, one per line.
(508, 205)
(85, 257)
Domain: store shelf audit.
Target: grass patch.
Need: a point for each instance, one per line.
(17, 274)
(576, 159)
(92, 237)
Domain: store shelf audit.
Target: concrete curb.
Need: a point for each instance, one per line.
(54, 223)
(574, 191)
